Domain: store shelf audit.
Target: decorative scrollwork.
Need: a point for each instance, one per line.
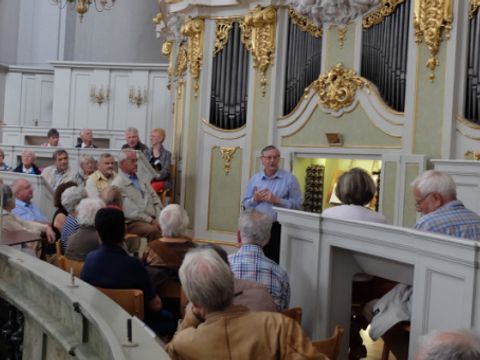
(474, 5)
(167, 51)
(181, 65)
(305, 24)
(385, 9)
(342, 32)
(221, 36)
(193, 29)
(433, 20)
(259, 38)
(227, 156)
(336, 89)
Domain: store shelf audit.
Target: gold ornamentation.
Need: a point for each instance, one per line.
(432, 20)
(336, 89)
(167, 51)
(342, 32)
(246, 35)
(305, 24)
(181, 66)
(260, 39)
(227, 156)
(474, 4)
(471, 155)
(157, 20)
(221, 38)
(387, 8)
(193, 29)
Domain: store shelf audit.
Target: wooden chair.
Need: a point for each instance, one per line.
(131, 300)
(170, 193)
(294, 313)
(172, 289)
(330, 346)
(67, 264)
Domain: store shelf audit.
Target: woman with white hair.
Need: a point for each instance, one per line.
(86, 238)
(164, 256)
(88, 165)
(70, 199)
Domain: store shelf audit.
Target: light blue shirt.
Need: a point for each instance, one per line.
(28, 211)
(282, 185)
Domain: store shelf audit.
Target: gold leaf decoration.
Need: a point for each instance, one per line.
(433, 20)
(474, 5)
(387, 8)
(259, 39)
(181, 65)
(337, 88)
(193, 29)
(305, 24)
(227, 156)
(223, 27)
(167, 51)
(342, 32)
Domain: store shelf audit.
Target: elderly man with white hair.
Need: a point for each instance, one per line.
(86, 238)
(27, 165)
(450, 345)
(435, 196)
(250, 263)
(24, 207)
(86, 139)
(231, 331)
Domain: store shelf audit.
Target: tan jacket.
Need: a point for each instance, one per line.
(238, 334)
(97, 182)
(136, 207)
(49, 175)
(13, 223)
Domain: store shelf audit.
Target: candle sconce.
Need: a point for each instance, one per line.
(138, 98)
(101, 96)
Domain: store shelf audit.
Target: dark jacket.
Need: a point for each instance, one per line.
(19, 169)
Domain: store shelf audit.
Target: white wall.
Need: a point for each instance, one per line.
(8, 31)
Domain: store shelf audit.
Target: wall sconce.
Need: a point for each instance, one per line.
(137, 98)
(334, 139)
(101, 96)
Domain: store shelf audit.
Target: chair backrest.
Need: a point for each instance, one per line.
(330, 346)
(131, 300)
(294, 313)
(172, 288)
(67, 264)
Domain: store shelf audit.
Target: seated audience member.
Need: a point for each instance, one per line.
(61, 213)
(161, 160)
(85, 239)
(103, 177)
(140, 203)
(12, 223)
(112, 197)
(24, 208)
(164, 256)
(71, 197)
(85, 141)
(59, 172)
(53, 138)
(27, 166)
(250, 263)
(355, 189)
(449, 345)
(111, 267)
(87, 166)
(3, 166)
(228, 329)
(134, 143)
(435, 196)
(248, 293)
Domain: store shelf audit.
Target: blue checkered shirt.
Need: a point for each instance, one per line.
(250, 263)
(452, 219)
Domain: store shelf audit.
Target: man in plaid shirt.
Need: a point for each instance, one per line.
(250, 263)
(436, 198)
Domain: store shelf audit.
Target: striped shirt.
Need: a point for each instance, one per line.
(69, 227)
(452, 219)
(250, 263)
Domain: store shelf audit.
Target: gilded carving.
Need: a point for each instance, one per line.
(227, 156)
(387, 8)
(432, 21)
(167, 51)
(474, 5)
(181, 65)
(471, 155)
(193, 29)
(337, 88)
(223, 27)
(342, 32)
(305, 24)
(260, 37)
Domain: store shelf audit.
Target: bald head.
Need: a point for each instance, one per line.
(450, 345)
(22, 190)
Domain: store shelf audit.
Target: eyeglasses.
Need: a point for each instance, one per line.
(419, 202)
(271, 157)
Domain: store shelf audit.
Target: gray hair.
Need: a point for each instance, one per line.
(435, 181)
(112, 195)
(207, 280)
(131, 129)
(450, 345)
(105, 156)
(268, 148)
(173, 220)
(84, 130)
(86, 159)
(87, 209)
(254, 227)
(29, 152)
(72, 197)
(8, 198)
(124, 153)
(355, 187)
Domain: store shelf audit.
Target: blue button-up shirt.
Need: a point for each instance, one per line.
(282, 184)
(28, 211)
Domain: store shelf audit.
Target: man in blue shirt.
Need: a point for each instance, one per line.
(24, 208)
(272, 187)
